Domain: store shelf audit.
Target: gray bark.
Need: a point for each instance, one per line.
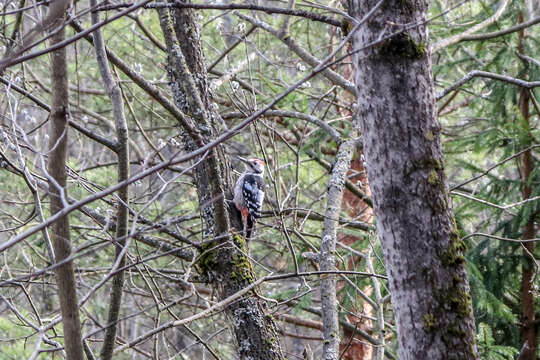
(422, 248)
(57, 185)
(223, 261)
(122, 214)
(328, 248)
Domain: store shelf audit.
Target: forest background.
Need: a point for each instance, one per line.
(144, 271)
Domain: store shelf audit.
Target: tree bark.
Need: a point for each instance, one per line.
(122, 213)
(423, 251)
(528, 327)
(328, 249)
(223, 261)
(352, 347)
(57, 185)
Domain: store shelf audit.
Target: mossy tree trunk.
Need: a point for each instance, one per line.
(421, 244)
(223, 261)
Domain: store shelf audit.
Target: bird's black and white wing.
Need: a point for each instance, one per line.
(253, 191)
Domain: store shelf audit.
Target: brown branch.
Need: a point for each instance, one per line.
(331, 75)
(313, 215)
(231, 48)
(267, 9)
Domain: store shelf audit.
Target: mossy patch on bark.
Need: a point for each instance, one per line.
(461, 301)
(428, 322)
(424, 163)
(433, 178)
(454, 253)
(346, 27)
(207, 260)
(402, 46)
(243, 270)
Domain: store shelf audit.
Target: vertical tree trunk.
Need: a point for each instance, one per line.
(528, 327)
(421, 244)
(351, 347)
(223, 262)
(328, 249)
(122, 214)
(528, 323)
(57, 185)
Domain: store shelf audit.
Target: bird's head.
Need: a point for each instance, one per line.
(254, 165)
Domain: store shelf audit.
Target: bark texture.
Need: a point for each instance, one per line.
(528, 318)
(528, 326)
(57, 184)
(352, 347)
(122, 213)
(328, 249)
(423, 251)
(223, 262)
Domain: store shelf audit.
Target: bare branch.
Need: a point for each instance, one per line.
(267, 9)
(457, 38)
(489, 75)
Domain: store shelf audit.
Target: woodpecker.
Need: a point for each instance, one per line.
(249, 193)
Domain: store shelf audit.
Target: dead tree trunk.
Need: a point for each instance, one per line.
(223, 261)
(67, 290)
(422, 248)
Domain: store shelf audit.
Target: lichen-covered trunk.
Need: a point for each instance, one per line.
(421, 245)
(67, 288)
(352, 347)
(328, 248)
(224, 261)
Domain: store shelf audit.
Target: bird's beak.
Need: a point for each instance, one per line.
(246, 161)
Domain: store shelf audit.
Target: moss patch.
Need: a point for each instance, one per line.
(424, 163)
(453, 254)
(461, 301)
(207, 260)
(243, 270)
(403, 46)
(428, 322)
(429, 135)
(346, 27)
(433, 178)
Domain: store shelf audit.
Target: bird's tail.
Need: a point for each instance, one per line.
(250, 226)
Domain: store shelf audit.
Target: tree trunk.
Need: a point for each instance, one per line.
(421, 244)
(223, 261)
(122, 213)
(60, 229)
(528, 327)
(328, 249)
(352, 347)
